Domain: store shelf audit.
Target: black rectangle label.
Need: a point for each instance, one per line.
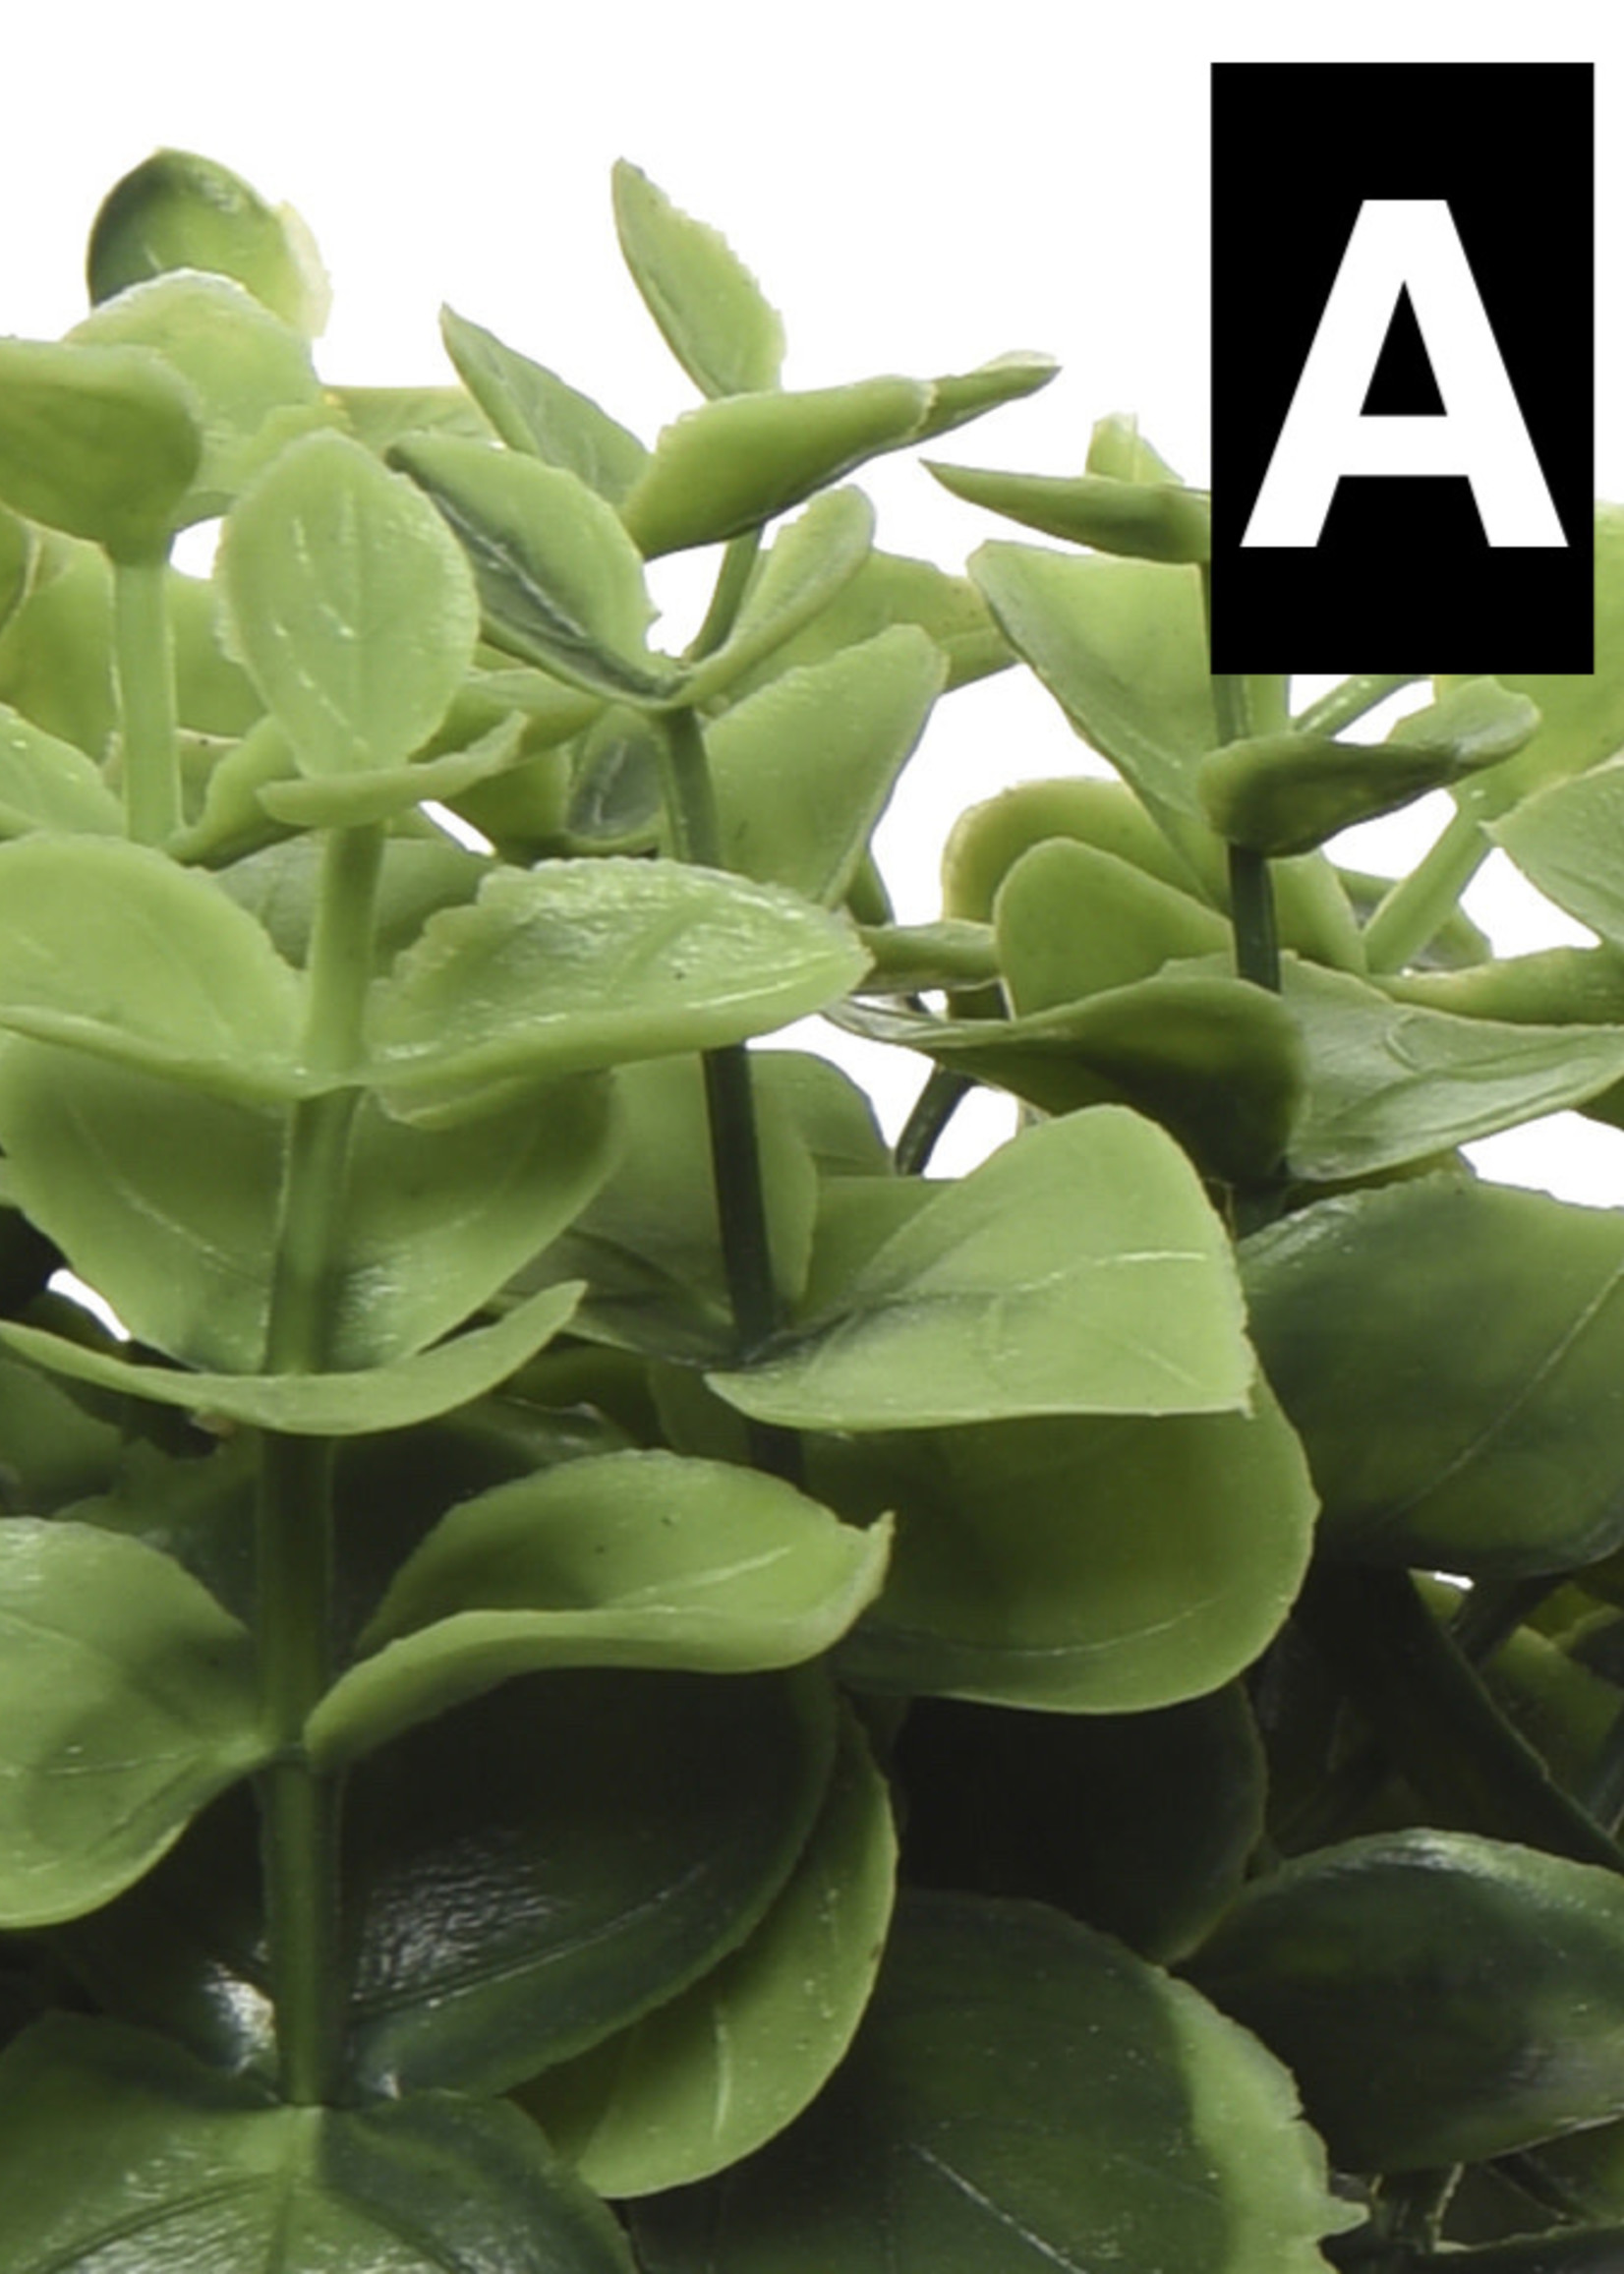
(1403, 365)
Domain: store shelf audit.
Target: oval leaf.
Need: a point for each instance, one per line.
(708, 306)
(101, 442)
(350, 605)
(533, 409)
(1002, 2036)
(1441, 1998)
(633, 1560)
(179, 211)
(812, 560)
(48, 784)
(584, 964)
(1079, 1270)
(128, 1699)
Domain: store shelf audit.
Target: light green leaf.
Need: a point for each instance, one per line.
(734, 464)
(128, 1699)
(1023, 2092)
(1117, 450)
(179, 211)
(708, 306)
(559, 581)
(48, 784)
(633, 1560)
(101, 442)
(1192, 1548)
(578, 965)
(355, 1403)
(533, 409)
(890, 589)
(1151, 521)
(811, 562)
(166, 1201)
(117, 2149)
(252, 375)
(349, 602)
(803, 770)
(1441, 1998)
(649, 1243)
(1569, 840)
(1074, 920)
(1079, 1270)
(612, 1835)
(1495, 1377)
(964, 395)
(109, 946)
(380, 417)
(19, 550)
(707, 2079)
(342, 800)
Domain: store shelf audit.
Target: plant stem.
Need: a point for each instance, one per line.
(299, 1809)
(935, 1106)
(1419, 903)
(145, 665)
(737, 562)
(1250, 892)
(1352, 700)
(735, 1150)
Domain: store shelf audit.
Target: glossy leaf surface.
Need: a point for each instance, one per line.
(1003, 2036)
(127, 1700)
(579, 965)
(708, 306)
(1079, 1270)
(350, 604)
(1442, 1998)
(101, 442)
(1081, 1566)
(634, 1559)
(711, 2076)
(733, 464)
(533, 409)
(168, 2162)
(1494, 1375)
(324, 1405)
(177, 210)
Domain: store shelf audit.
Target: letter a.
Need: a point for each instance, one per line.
(1398, 243)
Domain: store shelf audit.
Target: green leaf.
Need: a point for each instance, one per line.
(48, 784)
(250, 373)
(1074, 920)
(533, 409)
(1151, 521)
(101, 442)
(117, 2148)
(708, 306)
(1567, 839)
(649, 1243)
(711, 2076)
(733, 465)
(324, 1405)
(584, 964)
(179, 211)
(1079, 1270)
(1141, 1825)
(128, 1698)
(342, 800)
(633, 1560)
(166, 1202)
(1286, 793)
(380, 417)
(350, 605)
(1495, 1377)
(890, 589)
(1442, 1998)
(56, 654)
(803, 769)
(1216, 1061)
(536, 1872)
(1394, 1082)
(812, 560)
(987, 840)
(1002, 2038)
(964, 395)
(559, 581)
(109, 946)
(20, 551)
(1196, 1538)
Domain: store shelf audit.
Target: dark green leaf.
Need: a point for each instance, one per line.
(101, 442)
(708, 306)
(1441, 1998)
(179, 211)
(119, 2150)
(1023, 2092)
(128, 1699)
(1079, 1270)
(533, 409)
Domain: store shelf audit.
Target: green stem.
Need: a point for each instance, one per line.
(144, 665)
(1601, 1792)
(935, 1106)
(1423, 901)
(300, 1811)
(738, 563)
(1352, 700)
(1250, 892)
(735, 1150)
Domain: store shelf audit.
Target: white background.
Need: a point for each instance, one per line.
(917, 187)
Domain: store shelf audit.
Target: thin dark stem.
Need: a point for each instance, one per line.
(1250, 892)
(935, 1106)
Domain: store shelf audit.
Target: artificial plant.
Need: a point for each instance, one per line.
(606, 1674)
